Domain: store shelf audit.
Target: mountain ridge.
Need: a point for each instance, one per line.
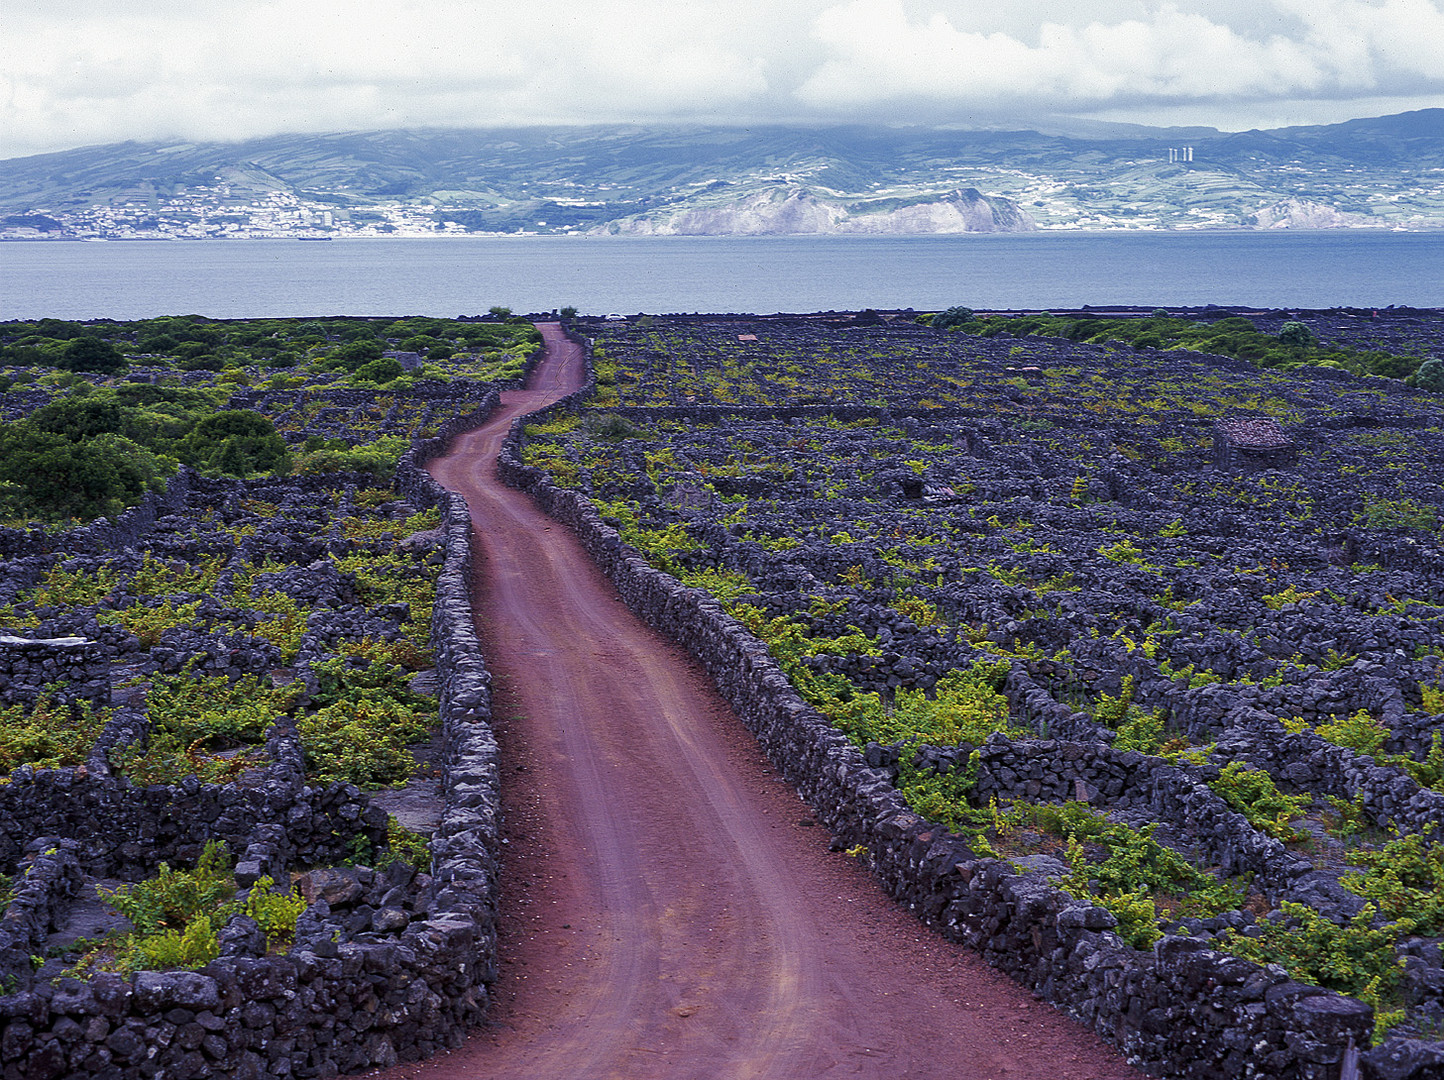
(1381, 172)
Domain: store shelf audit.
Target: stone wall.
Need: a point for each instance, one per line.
(102, 534)
(29, 665)
(1181, 1009)
(1058, 771)
(1242, 719)
(386, 966)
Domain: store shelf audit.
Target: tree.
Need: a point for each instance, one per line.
(237, 441)
(61, 330)
(954, 316)
(1430, 375)
(80, 418)
(486, 336)
(189, 350)
(22, 355)
(1295, 333)
(92, 354)
(43, 473)
(157, 343)
(378, 371)
(354, 354)
(1393, 365)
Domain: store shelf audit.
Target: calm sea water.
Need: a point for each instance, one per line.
(445, 277)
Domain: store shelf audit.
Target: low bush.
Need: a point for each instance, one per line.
(48, 734)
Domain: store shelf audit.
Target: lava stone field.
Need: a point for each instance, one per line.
(230, 755)
(1163, 627)
(1158, 629)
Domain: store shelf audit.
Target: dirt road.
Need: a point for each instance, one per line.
(670, 910)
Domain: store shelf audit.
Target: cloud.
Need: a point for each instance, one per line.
(88, 74)
(1374, 44)
(75, 72)
(879, 54)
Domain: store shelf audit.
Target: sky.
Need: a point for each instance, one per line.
(85, 72)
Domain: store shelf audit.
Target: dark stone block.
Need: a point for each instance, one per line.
(155, 991)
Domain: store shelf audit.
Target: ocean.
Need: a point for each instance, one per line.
(600, 275)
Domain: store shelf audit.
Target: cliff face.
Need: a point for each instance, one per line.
(965, 210)
(1307, 214)
(774, 212)
(792, 210)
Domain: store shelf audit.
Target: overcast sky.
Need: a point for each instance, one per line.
(81, 72)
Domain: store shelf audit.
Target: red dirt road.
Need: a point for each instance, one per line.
(668, 909)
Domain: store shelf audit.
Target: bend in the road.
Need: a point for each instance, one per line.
(680, 920)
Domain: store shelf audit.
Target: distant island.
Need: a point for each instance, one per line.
(1380, 173)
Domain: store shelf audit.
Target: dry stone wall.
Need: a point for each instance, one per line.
(1182, 1009)
(386, 966)
(29, 665)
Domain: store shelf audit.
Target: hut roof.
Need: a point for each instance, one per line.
(1254, 432)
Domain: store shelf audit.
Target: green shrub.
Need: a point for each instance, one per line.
(83, 417)
(610, 426)
(48, 735)
(1112, 711)
(274, 912)
(1428, 772)
(1357, 958)
(171, 899)
(377, 458)
(148, 623)
(366, 720)
(194, 719)
(355, 355)
(966, 708)
(1297, 334)
(57, 479)
(1404, 880)
(1131, 874)
(363, 743)
(1252, 793)
(238, 442)
(1431, 699)
(942, 798)
(1141, 730)
(91, 354)
(194, 947)
(379, 371)
(176, 914)
(1360, 732)
(1380, 513)
(404, 845)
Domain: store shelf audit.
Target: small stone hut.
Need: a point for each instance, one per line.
(1252, 442)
